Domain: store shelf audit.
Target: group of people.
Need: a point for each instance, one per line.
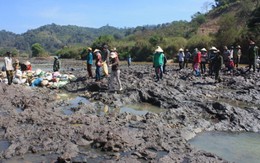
(16, 71)
(104, 59)
(200, 58)
(216, 60)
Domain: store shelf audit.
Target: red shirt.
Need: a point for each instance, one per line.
(197, 58)
(29, 68)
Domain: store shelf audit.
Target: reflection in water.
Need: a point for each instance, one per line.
(104, 110)
(234, 147)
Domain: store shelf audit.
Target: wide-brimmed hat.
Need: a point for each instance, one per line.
(114, 49)
(203, 49)
(113, 55)
(56, 57)
(89, 48)
(96, 50)
(213, 48)
(158, 49)
(27, 63)
(238, 46)
(181, 50)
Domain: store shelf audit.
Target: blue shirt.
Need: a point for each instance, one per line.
(90, 58)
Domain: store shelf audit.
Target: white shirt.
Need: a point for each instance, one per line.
(8, 64)
(18, 74)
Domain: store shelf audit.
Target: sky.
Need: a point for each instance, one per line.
(18, 16)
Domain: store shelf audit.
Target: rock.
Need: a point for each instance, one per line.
(192, 105)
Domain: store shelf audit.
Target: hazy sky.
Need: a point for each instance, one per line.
(18, 16)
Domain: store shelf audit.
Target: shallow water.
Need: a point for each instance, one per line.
(4, 144)
(235, 147)
(33, 158)
(73, 102)
(236, 103)
(19, 110)
(135, 109)
(141, 109)
(42, 66)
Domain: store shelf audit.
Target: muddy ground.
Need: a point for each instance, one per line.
(31, 121)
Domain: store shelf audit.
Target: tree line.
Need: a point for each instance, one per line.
(237, 22)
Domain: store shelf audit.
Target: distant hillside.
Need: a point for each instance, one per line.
(241, 11)
(53, 37)
(211, 26)
(229, 22)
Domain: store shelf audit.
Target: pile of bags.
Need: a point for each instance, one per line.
(39, 78)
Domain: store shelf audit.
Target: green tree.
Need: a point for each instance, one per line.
(38, 50)
(173, 45)
(104, 39)
(199, 41)
(228, 31)
(155, 40)
(70, 52)
(142, 51)
(219, 3)
(198, 18)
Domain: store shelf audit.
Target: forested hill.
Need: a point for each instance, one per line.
(229, 22)
(53, 37)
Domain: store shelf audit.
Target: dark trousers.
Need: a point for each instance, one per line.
(164, 68)
(181, 64)
(252, 62)
(186, 63)
(236, 62)
(9, 75)
(89, 69)
(158, 72)
(217, 77)
(203, 67)
(211, 66)
(98, 76)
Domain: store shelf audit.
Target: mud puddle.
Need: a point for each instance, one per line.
(96, 155)
(4, 144)
(234, 147)
(135, 109)
(33, 158)
(74, 102)
(141, 109)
